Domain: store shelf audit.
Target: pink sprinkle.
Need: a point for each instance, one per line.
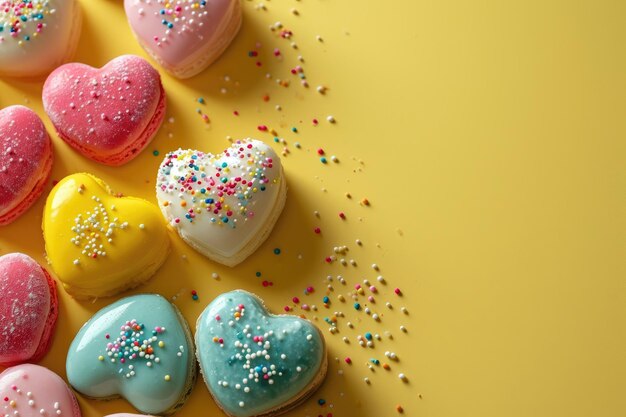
(305, 307)
(218, 318)
(310, 289)
(357, 287)
(373, 289)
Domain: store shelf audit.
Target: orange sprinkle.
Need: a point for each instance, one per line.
(399, 409)
(386, 366)
(183, 203)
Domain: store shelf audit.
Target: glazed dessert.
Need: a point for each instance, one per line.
(28, 308)
(256, 363)
(110, 114)
(36, 36)
(139, 348)
(225, 205)
(34, 391)
(184, 36)
(25, 161)
(99, 244)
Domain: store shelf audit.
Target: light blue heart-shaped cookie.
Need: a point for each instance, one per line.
(256, 363)
(139, 348)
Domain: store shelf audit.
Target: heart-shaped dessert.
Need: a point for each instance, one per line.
(256, 363)
(36, 36)
(223, 205)
(108, 114)
(139, 348)
(34, 391)
(99, 244)
(25, 161)
(127, 415)
(184, 36)
(28, 309)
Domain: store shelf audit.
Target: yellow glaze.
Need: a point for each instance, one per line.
(99, 244)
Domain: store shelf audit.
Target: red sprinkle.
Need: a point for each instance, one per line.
(397, 291)
(342, 215)
(348, 360)
(262, 128)
(318, 230)
(320, 151)
(295, 300)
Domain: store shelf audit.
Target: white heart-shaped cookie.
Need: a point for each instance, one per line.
(225, 205)
(36, 36)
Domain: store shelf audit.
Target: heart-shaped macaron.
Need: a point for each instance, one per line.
(184, 36)
(34, 391)
(99, 244)
(28, 309)
(25, 161)
(255, 363)
(108, 114)
(139, 348)
(37, 36)
(223, 205)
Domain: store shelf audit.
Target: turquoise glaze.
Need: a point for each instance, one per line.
(91, 371)
(235, 362)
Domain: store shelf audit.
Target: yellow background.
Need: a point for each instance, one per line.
(488, 137)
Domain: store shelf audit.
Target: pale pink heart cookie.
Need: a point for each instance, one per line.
(25, 161)
(36, 36)
(108, 114)
(34, 391)
(184, 36)
(28, 309)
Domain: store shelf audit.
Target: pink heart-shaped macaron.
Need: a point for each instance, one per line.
(184, 36)
(28, 309)
(108, 114)
(34, 391)
(25, 160)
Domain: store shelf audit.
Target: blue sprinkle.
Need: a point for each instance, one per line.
(325, 300)
(357, 306)
(225, 219)
(277, 251)
(368, 336)
(203, 190)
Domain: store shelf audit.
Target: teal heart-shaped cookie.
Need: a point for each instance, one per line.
(139, 348)
(256, 363)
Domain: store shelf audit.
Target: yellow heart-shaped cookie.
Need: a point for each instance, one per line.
(99, 244)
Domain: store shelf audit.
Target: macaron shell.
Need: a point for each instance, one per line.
(28, 309)
(108, 114)
(276, 361)
(136, 246)
(33, 391)
(196, 38)
(158, 388)
(223, 205)
(48, 46)
(25, 160)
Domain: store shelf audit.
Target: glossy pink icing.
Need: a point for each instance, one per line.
(25, 157)
(108, 111)
(192, 28)
(33, 391)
